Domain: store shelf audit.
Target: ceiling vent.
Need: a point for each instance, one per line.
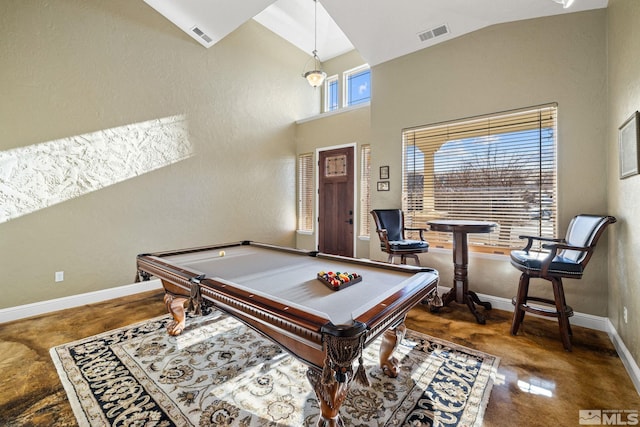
(201, 34)
(432, 33)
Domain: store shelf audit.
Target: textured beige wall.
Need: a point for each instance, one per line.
(556, 59)
(624, 195)
(75, 66)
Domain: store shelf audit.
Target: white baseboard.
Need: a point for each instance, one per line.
(37, 308)
(625, 356)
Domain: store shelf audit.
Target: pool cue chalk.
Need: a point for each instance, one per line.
(221, 253)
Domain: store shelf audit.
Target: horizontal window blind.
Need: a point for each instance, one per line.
(365, 189)
(305, 192)
(499, 168)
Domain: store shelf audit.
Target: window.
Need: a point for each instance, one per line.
(500, 168)
(331, 93)
(365, 189)
(357, 85)
(305, 192)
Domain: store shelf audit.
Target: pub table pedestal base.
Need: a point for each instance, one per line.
(460, 292)
(470, 299)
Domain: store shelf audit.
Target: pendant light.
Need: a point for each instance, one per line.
(316, 76)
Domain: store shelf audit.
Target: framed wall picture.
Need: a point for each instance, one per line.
(384, 172)
(383, 185)
(628, 135)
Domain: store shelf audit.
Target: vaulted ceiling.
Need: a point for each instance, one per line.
(379, 30)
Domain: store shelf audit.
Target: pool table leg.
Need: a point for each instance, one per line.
(175, 306)
(330, 397)
(390, 340)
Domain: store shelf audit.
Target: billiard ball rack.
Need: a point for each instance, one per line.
(337, 281)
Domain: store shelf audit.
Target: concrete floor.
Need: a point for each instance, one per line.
(538, 384)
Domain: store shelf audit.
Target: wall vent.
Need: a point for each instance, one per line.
(434, 32)
(201, 34)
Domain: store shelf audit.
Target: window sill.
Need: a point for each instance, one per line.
(335, 112)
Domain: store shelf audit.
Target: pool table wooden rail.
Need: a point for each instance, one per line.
(289, 326)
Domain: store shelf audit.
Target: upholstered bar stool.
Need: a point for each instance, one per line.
(561, 258)
(390, 228)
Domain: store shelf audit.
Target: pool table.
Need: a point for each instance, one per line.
(276, 291)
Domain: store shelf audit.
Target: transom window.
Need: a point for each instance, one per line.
(499, 168)
(357, 85)
(356, 88)
(331, 93)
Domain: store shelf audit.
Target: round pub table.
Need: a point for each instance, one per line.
(460, 292)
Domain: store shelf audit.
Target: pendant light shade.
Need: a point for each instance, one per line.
(316, 76)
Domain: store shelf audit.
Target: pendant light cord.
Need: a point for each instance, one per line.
(315, 29)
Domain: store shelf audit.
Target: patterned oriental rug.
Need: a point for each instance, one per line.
(219, 372)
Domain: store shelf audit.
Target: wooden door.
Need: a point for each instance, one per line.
(335, 201)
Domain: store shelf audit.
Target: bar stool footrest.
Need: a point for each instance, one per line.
(542, 311)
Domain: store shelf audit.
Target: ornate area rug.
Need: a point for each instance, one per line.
(220, 372)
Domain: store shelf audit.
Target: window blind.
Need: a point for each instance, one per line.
(500, 168)
(305, 192)
(365, 189)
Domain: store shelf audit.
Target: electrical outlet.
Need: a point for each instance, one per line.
(59, 276)
(626, 317)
